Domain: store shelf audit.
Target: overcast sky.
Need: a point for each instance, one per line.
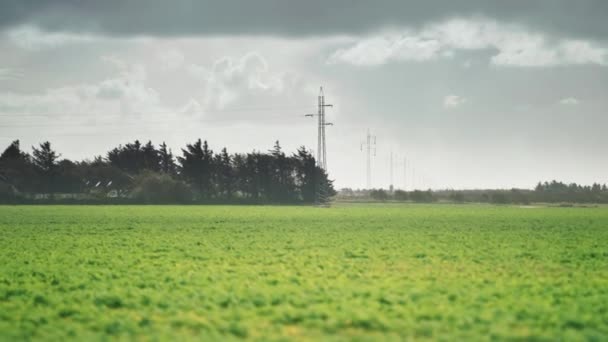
(475, 93)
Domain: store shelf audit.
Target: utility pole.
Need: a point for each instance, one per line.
(321, 143)
(370, 144)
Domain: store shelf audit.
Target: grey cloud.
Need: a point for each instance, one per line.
(513, 46)
(569, 101)
(584, 18)
(7, 74)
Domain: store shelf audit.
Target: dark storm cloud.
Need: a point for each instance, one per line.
(582, 18)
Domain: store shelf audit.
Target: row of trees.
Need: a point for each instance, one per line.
(144, 172)
(547, 192)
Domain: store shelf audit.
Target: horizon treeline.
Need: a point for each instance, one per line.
(544, 192)
(145, 173)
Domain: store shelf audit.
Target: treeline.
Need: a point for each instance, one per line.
(145, 173)
(547, 192)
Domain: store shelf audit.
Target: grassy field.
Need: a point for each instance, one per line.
(354, 272)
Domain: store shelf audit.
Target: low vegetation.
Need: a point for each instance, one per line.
(385, 272)
(547, 192)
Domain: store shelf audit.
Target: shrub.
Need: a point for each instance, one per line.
(456, 196)
(160, 188)
(7, 192)
(400, 195)
(379, 195)
(499, 197)
(421, 196)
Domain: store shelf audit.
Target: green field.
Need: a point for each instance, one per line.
(392, 272)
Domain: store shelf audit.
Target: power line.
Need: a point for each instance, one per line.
(98, 134)
(26, 115)
(142, 123)
(68, 116)
(116, 129)
(228, 110)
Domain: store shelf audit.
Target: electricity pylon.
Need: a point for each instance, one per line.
(321, 187)
(391, 185)
(370, 145)
(397, 163)
(321, 143)
(405, 173)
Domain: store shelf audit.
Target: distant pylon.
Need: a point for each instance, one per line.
(370, 144)
(391, 185)
(405, 173)
(413, 178)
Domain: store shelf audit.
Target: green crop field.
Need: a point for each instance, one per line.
(391, 272)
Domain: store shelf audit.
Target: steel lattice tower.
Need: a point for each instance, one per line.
(370, 145)
(405, 173)
(321, 142)
(391, 185)
(321, 187)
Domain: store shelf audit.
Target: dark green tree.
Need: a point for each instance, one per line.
(45, 160)
(224, 173)
(151, 159)
(167, 161)
(17, 170)
(196, 167)
(306, 175)
(134, 158)
(13, 152)
(282, 186)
